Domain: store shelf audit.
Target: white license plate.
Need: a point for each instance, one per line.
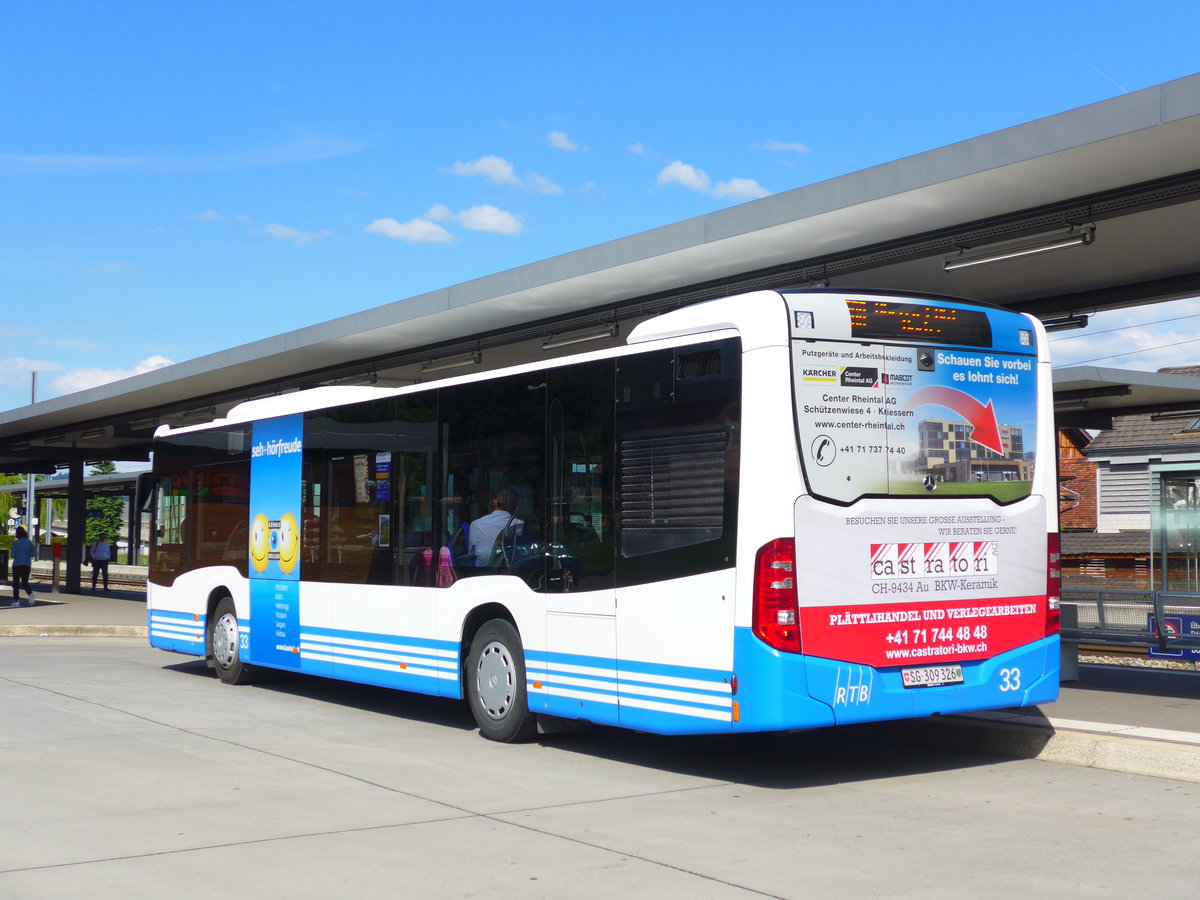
(930, 676)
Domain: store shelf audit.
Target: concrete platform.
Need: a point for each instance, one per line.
(103, 614)
(1136, 720)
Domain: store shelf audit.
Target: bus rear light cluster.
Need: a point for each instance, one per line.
(776, 619)
(1053, 583)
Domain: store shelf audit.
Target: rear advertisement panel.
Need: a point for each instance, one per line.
(924, 584)
(920, 543)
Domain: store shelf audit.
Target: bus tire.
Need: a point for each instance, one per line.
(224, 647)
(495, 684)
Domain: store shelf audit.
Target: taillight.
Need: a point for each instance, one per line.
(776, 611)
(1053, 583)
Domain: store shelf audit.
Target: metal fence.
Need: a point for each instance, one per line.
(1166, 620)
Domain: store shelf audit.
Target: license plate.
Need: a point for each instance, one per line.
(931, 676)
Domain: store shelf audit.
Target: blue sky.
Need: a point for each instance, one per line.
(182, 177)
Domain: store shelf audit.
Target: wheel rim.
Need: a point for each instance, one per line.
(495, 680)
(225, 640)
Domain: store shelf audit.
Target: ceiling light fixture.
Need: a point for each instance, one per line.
(978, 256)
(594, 334)
(473, 358)
(1065, 323)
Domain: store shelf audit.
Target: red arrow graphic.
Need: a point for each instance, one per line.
(981, 418)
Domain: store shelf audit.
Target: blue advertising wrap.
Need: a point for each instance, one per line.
(275, 457)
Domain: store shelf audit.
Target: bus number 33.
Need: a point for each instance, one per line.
(1010, 680)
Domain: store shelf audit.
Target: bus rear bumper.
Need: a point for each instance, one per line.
(781, 691)
(1021, 677)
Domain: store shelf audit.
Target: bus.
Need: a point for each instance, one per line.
(779, 510)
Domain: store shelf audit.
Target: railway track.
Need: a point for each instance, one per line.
(44, 580)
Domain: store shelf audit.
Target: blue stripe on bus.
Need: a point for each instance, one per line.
(406, 662)
(341, 634)
(640, 667)
(626, 692)
(176, 631)
(617, 679)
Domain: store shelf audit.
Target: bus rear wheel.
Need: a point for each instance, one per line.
(495, 684)
(224, 644)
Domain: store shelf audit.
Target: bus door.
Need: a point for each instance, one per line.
(577, 547)
(678, 459)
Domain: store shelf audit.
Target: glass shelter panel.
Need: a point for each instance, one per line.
(1176, 539)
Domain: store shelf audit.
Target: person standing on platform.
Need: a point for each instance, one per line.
(22, 552)
(101, 554)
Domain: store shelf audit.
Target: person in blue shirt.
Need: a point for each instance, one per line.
(100, 553)
(22, 553)
(484, 531)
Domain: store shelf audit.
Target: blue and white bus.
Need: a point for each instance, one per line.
(773, 511)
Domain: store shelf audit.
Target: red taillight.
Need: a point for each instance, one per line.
(1053, 583)
(776, 612)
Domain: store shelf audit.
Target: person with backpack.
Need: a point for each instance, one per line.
(101, 554)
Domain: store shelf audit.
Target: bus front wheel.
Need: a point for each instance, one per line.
(495, 684)
(224, 644)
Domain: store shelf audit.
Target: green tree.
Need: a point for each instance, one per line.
(104, 513)
(8, 501)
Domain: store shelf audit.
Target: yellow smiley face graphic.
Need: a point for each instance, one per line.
(289, 543)
(260, 543)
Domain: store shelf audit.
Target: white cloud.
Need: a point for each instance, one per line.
(427, 230)
(559, 141)
(740, 189)
(14, 371)
(697, 180)
(308, 148)
(638, 149)
(541, 184)
(1145, 338)
(414, 231)
(82, 379)
(785, 147)
(494, 168)
(489, 218)
(498, 170)
(66, 345)
(209, 215)
(299, 238)
(689, 176)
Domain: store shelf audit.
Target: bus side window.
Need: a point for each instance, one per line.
(201, 503)
(579, 538)
(494, 436)
(347, 506)
(678, 424)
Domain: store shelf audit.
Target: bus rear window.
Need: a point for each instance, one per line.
(884, 419)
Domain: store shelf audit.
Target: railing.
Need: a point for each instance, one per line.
(120, 577)
(1166, 620)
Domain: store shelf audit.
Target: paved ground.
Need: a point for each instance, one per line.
(1141, 721)
(131, 773)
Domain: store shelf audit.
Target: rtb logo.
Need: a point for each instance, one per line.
(852, 689)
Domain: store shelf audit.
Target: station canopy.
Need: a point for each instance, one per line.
(1113, 188)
